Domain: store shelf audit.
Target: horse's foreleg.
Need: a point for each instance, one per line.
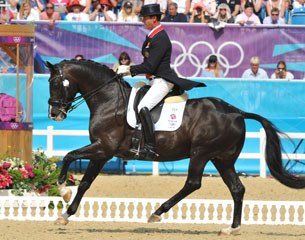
(192, 183)
(92, 171)
(84, 152)
(237, 190)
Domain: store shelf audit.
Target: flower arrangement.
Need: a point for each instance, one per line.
(40, 176)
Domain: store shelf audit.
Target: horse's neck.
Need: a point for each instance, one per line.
(114, 93)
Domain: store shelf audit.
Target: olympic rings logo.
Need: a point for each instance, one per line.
(195, 61)
(14, 125)
(16, 39)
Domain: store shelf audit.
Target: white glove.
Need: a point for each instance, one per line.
(124, 70)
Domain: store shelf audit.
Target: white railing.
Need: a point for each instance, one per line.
(50, 151)
(139, 209)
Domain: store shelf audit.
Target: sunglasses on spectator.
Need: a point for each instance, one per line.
(123, 59)
(49, 7)
(223, 9)
(274, 14)
(281, 69)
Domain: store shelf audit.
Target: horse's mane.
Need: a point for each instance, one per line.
(94, 69)
(86, 63)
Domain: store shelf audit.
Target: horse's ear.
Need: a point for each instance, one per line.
(49, 65)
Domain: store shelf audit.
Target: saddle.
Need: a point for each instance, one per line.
(176, 95)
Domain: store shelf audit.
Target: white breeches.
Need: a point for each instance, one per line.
(158, 90)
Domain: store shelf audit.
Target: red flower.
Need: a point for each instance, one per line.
(43, 189)
(5, 178)
(6, 165)
(28, 168)
(24, 173)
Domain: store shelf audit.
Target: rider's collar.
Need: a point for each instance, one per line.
(155, 31)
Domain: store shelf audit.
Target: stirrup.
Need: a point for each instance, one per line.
(144, 152)
(135, 152)
(149, 153)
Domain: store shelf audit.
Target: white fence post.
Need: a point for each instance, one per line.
(50, 140)
(155, 168)
(262, 151)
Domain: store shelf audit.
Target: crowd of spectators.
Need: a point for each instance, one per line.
(244, 12)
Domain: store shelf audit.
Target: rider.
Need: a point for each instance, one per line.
(156, 50)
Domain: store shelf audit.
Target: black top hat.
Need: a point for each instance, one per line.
(150, 10)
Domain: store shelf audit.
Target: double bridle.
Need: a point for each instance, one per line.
(82, 98)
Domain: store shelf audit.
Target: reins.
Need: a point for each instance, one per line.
(82, 98)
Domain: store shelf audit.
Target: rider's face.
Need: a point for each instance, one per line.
(149, 22)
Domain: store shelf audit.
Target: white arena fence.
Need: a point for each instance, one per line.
(50, 132)
(139, 209)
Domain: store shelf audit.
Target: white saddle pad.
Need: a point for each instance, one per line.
(170, 118)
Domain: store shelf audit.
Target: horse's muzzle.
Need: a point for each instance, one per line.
(57, 114)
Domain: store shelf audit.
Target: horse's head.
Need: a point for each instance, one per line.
(62, 92)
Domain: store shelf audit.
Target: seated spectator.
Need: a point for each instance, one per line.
(75, 12)
(247, 17)
(103, 12)
(173, 15)
(280, 4)
(212, 69)
(50, 14)
(124, 59)
(127, 13)
(6, 15)
(274, 18)
(198, 14)
(298, 4)
(223, 14)
(281, 72)
(28, 13)
(257, 4)
(234, 6)
(184, 6)
(255, 71)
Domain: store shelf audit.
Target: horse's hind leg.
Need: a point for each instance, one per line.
(92, 171)
(237, 189)
(192, 183)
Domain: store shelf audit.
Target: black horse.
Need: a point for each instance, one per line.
(212, 130)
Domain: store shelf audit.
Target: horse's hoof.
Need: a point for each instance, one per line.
(61, 221)
(229, 231)
(67, 195)
(154, 218)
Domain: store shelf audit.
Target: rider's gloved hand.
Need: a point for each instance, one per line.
(124, 70)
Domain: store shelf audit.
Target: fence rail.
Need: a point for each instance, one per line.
(139, 209)
(50, 133)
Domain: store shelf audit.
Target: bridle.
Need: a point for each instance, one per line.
(84, 97)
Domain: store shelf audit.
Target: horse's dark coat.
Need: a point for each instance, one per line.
(211, 130)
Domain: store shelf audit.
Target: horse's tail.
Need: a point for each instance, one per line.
(274, 154)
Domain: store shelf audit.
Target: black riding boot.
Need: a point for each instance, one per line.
(149, 149)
